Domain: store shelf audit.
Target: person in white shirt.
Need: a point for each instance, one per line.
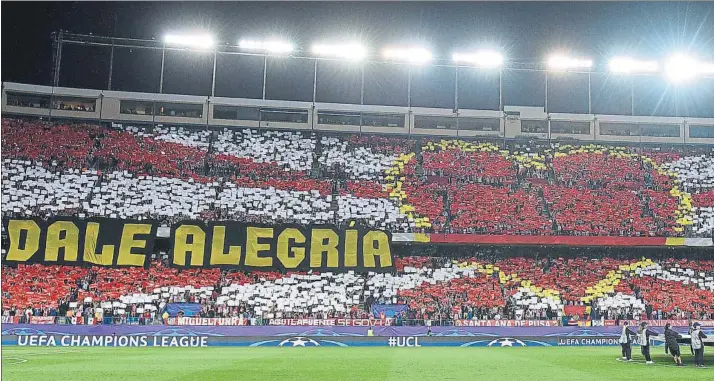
(28, 315)
(644, 336)
(626, 342)
(698, 345)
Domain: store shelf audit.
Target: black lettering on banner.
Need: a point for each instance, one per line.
(72, 241)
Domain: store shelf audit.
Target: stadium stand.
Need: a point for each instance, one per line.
(396, 183)
(432, 288)
(386, 182)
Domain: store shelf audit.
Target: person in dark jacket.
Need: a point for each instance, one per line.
(698, 345)
(626, 342)
(644, 336)
(670, 340)
(691, 329)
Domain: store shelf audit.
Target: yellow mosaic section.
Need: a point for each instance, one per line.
(489, 270)
(603, 288)
(394, 175)
(607, 285)
(394, 178)
(527, 160)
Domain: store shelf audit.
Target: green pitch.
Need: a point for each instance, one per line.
(336, 364)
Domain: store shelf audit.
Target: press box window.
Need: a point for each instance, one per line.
(383, 120)
(534, 126)
(566, 127)
(435, 122)
(283, 115)
(339, 118)
(74, 104)
(28, 100)
(236, 113)
(701, 131)
(660, 130)
(619, 129)
(181, 110)
(479, 124)
(136, 108)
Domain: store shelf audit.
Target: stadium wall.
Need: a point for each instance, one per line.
(112, 106)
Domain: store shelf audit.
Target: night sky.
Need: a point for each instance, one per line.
(523, 31)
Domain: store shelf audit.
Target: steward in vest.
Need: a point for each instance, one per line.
(644, 336)
(698, 345)
(626, 342)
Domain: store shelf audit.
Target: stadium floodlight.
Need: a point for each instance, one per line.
(411, 55)
(352, 51)
(681, 68)
(270, 46)
(485, 59)
(203, 41)
(706, 68)
(560, 62)
(627, 65)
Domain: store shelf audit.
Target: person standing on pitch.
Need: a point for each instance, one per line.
(644, 335)
(670, 341)
(691, 328)
(698, 345)
(626, 342)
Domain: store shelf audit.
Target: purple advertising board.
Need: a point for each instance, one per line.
(53, 335)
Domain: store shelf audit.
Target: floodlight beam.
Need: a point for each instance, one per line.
(628, 65)
(269, 46)
(352, 51)
(560, 62)
(411, 55)
(190, 40)
(681, 68)
(486, 59)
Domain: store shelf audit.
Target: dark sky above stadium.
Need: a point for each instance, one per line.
(524, 31)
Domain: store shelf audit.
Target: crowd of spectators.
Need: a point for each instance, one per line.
(440, 185)
(431, 288)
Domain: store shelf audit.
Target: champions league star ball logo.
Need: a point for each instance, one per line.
(22, 331)
(506, 342)
(299, 342)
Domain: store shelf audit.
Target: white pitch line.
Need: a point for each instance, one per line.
(657, 364)
(19, 360)
(17, 352)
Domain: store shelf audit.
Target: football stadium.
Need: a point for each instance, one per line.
(187, 195)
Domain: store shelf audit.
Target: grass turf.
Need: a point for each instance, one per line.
(336, 364)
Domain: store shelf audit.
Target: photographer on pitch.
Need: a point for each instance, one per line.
(671, 345)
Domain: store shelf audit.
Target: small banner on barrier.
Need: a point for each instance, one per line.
(332, 322)
(188, 309)
(662, 323)
(42, 320)
(206, 321)
(389, 310)
(506, 323)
